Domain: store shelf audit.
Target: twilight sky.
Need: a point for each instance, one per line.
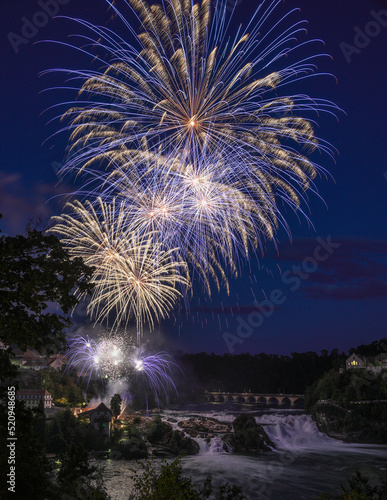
(325, 289)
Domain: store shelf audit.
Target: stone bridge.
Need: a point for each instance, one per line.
(284, 400)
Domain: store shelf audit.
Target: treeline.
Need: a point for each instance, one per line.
(263, 373)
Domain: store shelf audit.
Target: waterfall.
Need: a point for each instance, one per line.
(288, 430)
(214, 446)
(295, 432)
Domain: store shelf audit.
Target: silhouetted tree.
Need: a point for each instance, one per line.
(115, 405)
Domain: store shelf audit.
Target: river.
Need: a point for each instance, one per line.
(305, 463)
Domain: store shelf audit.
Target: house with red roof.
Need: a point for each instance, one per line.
(101, 418)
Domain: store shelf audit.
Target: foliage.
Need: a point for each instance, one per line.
(116, 435)
(40, 422)
(262, 373)
(171, 484)
(8, 371)
(162, 433)
(115, 405)
(133, 447)
(62, 386)
(78, 478)
(346, 409)
(248, 436)
(36, 271)
(360, 489)
(373, 349)
(351, 385)
(66, 429)
(32, 467)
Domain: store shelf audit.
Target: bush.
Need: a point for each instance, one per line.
(159, 431)
(183, 445)
(172, 485)
(66, 429)
(134, 447)
(360, 489)
(78, 479)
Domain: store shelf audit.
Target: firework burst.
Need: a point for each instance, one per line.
(105, 358)
(114, 356)
(185, 85)
(134, 275)
(190, 145)
(81, 356)
(156, 369)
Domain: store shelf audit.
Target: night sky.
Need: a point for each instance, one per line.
(338, 300)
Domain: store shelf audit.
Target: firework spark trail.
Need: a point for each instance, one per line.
(186, 137)
(127, 398)
(156, 370)
(106, 357)
(115, 357)
(193, 207)
(134, 275)
(81, 356)
(110, 359)
(184, 85)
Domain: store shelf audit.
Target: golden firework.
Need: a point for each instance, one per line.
(134, 275)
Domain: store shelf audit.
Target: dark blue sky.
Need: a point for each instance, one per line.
(338, 301)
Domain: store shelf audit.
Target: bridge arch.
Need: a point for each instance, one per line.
(283, 400)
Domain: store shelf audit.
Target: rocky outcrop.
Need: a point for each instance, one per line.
(131, 448)
(159, 438)
(205, 427)
(248, 436)
(171, 441)
(352, 425)
(183, 445)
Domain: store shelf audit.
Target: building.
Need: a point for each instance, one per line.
(355, 362)
(381, 360)
(39, 362)
(32, 397)
(33, 360)
(374, 364)
(101, 418)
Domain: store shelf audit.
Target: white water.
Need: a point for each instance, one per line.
(288, 431)
(295, 432)
(305, 463)
(214, 446)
